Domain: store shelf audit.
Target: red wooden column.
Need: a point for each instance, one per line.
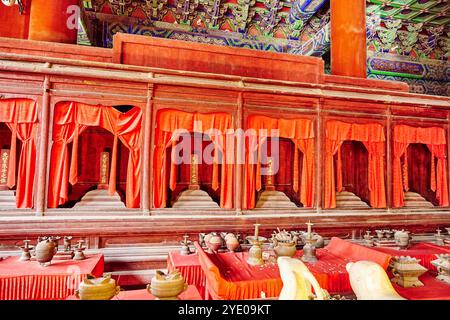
(41, 185)
(348, 38)
(53, 21)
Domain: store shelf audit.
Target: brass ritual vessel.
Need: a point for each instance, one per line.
(255, 253)
(103, 288)
(309, 249)
(44, 251)
(406, 271)
(167, 286)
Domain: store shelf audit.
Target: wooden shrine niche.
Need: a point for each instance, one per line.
(194, 187)
(7, 197)
(354, 167)
(419, 193)
(277, 185)
(207, 182)
(287, 144)
(355, 192)
(419, 167)
(94, 164)
(102, 145)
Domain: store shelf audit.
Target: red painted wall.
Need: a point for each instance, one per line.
(13, 24)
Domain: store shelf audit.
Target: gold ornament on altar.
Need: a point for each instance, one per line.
(406, 271)
(104, 170)
(167, 286)
(193, 184)
(269, 182)
(4, 162)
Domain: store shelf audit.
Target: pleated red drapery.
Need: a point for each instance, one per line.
(434, 138)
(70, 120)
(372, 136)
(301, 132)
(219, 126)
(20, 115)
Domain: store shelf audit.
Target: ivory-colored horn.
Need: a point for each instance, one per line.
(369, 281)
(297, 281)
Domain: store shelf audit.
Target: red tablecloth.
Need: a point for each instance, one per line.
(28, 280)
(424, 251)
(433, 289)
(189, 267)
(190, 294)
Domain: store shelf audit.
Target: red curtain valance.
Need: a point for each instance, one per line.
(301, 132)
(219, 126)
(70, 120)
(434, 138)
(20, 115)
(372, 136)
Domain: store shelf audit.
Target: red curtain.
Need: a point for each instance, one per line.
(70, 120)
(170, 124)
(434, 138)
(20, 115)
(372, 135)
(301, 132)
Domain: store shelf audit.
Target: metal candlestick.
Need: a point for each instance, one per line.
(79, 255)
(255, 252)
(439, 238)
(26, 255)
(185, 246)
(309, 249)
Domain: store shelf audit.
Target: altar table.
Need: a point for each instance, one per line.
(229, 277)
(28, 280)
(424, 251)
(190, 294)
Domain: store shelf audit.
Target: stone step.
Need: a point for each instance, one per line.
(194, 199)
(345, 193)
(7, 199)
(100, 199)
(274, 199)
(346, 199)
(413, 199)
(262, 204)
(195, 204)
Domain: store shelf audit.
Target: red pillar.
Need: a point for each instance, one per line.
(13, 24)
(49, 21)
(348, 38)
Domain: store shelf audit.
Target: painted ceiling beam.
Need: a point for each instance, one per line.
(301, 12)
(317, 46)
